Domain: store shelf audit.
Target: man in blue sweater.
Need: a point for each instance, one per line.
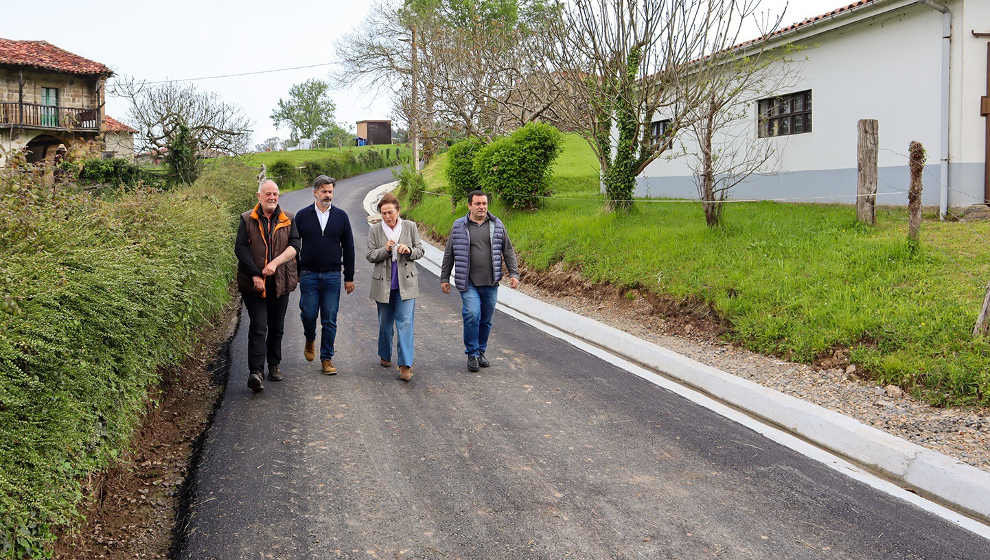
(327, 245)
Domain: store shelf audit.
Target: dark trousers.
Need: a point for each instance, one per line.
(267, 317)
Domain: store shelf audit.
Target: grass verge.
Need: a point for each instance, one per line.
(794, 280)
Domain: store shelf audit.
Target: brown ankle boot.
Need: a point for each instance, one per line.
(405, 373)
(310, 352)
(328, 368)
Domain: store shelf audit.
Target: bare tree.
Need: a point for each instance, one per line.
(727, 150)
(158, 111)
(272, 144)
(616, 64)
(454, 67)
(381, 54)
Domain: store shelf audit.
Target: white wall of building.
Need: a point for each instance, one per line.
(884, 67)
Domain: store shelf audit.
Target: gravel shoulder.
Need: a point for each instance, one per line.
(963, 433)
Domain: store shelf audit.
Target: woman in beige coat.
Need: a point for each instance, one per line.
(393, 246)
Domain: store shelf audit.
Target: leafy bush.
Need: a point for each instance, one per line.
(460, 169)
(97, 295)
(517, 167)
(284, 173)
(411, 184)
(118, 172)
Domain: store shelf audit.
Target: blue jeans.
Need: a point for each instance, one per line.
(319, 293)
(400, 313)
(477, 309)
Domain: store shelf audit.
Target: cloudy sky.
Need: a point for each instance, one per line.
(194, 39)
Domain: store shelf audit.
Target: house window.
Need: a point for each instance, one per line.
(49, 108)
(658, 129)
(785, 114)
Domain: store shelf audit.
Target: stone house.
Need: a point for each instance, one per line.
(49, 96)
(118, 139)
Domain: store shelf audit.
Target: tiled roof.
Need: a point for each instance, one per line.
(111, 124)
(809, 21)
(46, 56)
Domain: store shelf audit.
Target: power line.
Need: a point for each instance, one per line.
(240, 74)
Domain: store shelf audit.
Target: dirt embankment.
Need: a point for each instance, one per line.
(131, 509)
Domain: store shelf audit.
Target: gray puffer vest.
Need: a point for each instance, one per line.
(462, 249)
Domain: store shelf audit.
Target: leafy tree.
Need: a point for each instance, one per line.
(308, 110)
(335, 135)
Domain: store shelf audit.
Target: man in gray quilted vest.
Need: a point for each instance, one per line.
(478, 244)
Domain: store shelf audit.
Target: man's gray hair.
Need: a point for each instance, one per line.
(323, 180)
(265, 182)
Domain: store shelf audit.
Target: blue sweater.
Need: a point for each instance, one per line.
(326, 250)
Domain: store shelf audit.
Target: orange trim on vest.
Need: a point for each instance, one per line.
(283, 221)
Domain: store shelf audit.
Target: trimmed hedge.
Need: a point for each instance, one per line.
(339, 165)
(517, 167)
(99, 294)
(461, 178)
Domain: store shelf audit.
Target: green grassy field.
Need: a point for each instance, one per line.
(794, 280)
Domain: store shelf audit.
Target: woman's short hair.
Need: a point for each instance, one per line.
(388, 198)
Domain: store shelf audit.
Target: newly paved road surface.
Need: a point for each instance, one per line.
(550, 453)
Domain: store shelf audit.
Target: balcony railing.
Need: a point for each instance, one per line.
(33, 115)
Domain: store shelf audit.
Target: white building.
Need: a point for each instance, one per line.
(874, 59)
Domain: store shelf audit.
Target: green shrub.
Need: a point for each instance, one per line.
(182, 161)
(98, 295)
(411, 184)
(117, 172)
(461, 178)
(517, 167)
(284, 173)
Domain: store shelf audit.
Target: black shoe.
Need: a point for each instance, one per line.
(254, 382)
(473, 363)
(482, 360)
(274, 374)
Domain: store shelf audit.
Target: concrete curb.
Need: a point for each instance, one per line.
(371, 199)
(929, 473)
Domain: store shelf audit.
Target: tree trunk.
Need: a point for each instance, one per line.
(917, 165)
(713, 207)
(866, 191)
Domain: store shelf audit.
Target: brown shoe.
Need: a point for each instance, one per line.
(310, 352)
(385, 363)
(405, 373)
(328, 368)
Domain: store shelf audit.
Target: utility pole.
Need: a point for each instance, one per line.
(414, 100)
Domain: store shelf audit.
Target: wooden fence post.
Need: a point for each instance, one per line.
(981, 327)
(866, 155)
(917, 164)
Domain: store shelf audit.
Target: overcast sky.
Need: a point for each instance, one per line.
(190, 39)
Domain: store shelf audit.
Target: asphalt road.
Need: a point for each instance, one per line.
(550, 453)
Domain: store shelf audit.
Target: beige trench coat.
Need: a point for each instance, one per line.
(381, 276)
